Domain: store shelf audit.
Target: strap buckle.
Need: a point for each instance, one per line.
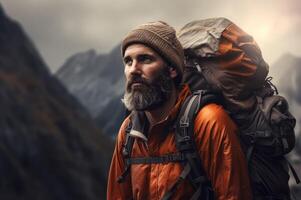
(184, 123)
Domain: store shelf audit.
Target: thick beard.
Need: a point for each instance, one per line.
(150, 95)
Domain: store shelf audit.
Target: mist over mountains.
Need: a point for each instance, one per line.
(98, 82)
(287, 77)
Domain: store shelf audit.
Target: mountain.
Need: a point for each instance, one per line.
(50, 148)
(98, 82)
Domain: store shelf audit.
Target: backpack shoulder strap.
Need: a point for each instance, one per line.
(126, 153)
(185, 143)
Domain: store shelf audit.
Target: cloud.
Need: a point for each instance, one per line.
(62, 28)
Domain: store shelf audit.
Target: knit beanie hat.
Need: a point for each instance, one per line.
(162, 38)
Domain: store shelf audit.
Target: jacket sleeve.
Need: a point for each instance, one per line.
(115, 190)
(221, 155)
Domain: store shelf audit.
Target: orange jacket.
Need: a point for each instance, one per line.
(218, 146)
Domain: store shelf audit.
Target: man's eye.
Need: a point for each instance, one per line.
(127, 61)
(146, 59)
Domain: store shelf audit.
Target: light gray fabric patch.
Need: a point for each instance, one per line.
(203, 36)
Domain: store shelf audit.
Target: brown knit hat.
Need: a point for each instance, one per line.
(162, 38)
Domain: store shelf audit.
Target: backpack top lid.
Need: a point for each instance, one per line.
(229, 58)
(203, 36)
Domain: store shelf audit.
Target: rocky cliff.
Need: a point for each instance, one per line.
(50, 148)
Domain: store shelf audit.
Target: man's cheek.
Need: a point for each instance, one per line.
(128, 87)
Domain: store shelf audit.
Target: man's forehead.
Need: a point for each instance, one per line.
(138, 48)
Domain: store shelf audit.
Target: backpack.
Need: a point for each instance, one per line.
(223, 59)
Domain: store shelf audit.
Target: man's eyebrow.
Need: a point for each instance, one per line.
(146, 55)
(126, 57)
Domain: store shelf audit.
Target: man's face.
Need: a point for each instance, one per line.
(148, 79)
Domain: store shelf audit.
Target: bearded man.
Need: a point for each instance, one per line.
(153, 66)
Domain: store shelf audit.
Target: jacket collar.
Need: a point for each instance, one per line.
(140, 122)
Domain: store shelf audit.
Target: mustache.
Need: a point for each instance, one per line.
(137, 79)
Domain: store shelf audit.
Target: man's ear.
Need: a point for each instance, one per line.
(173, 72)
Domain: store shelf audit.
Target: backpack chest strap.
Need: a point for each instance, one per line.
(176, 157)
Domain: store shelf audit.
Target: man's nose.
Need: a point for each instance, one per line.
(135, 68)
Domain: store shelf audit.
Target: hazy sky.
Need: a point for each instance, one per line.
(60, 28)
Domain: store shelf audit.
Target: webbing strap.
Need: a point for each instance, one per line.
(258, 133)
(124, 174)
(126, 152)
(184, 121)
(197, 193)
(249, 154)
(155, 160)
(175, 186)
(293, 172)
(185, 124)
(185, 142)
